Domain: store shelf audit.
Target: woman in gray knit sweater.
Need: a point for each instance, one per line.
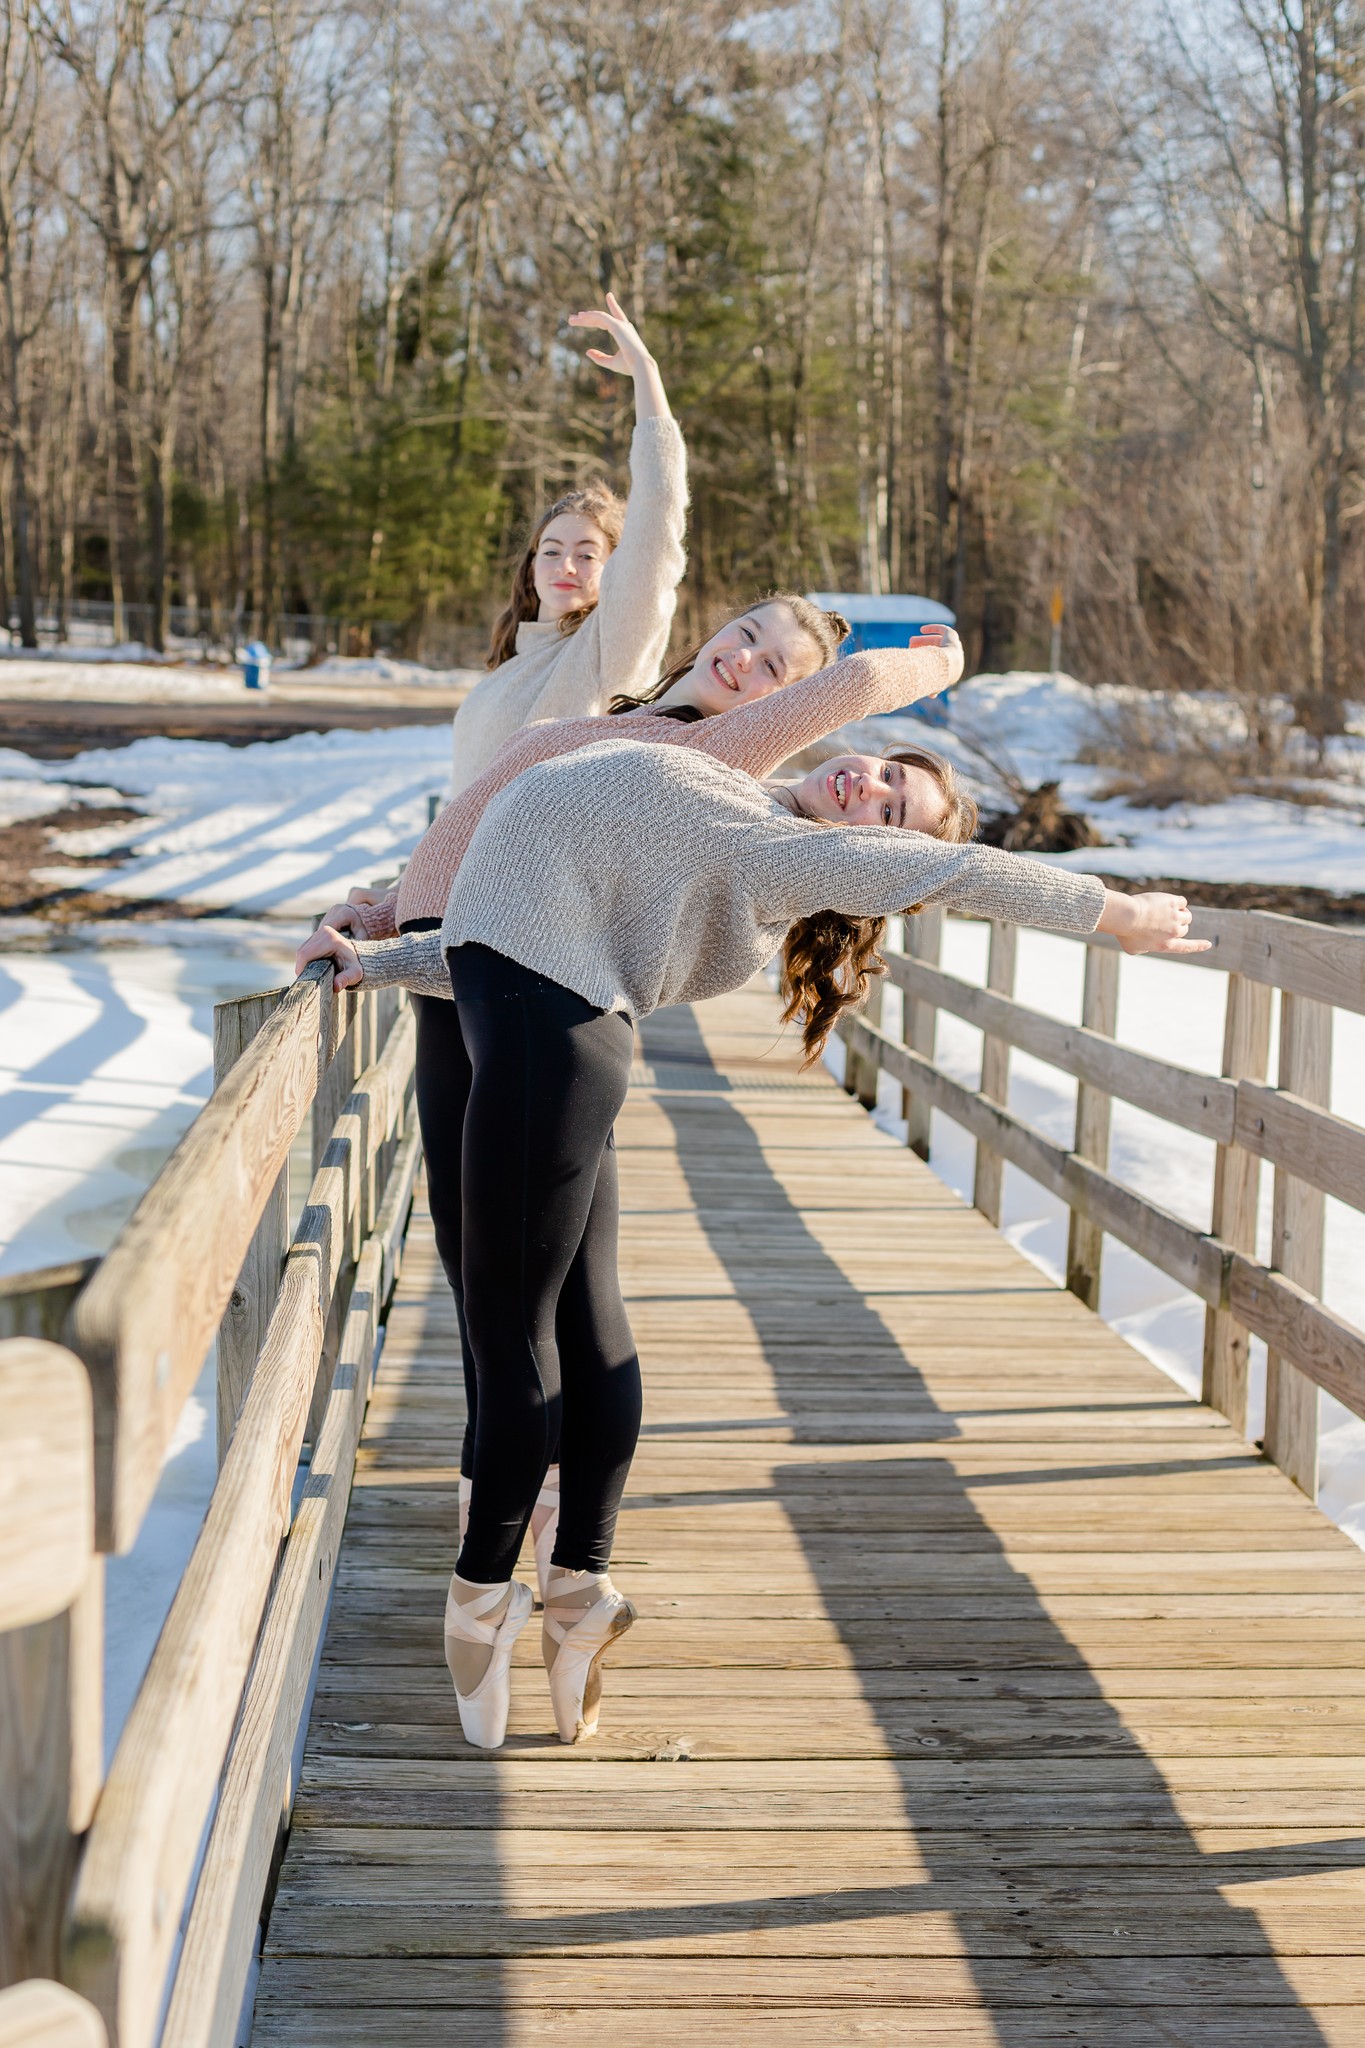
(596, 886)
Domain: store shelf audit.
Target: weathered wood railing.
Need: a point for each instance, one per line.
(1317, 969)
(96, 1873)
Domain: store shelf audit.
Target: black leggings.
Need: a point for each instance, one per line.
(518, 1085)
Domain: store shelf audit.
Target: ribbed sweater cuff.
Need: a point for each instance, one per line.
(413, 960)
(378, 920)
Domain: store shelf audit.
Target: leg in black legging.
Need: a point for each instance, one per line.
(442, 1093)
(548, 1075)
(600, 1370)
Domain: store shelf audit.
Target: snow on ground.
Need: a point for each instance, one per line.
(280, 828)
(1042, 722)
(138, 676)
(1174, 1012)
(105, 1058)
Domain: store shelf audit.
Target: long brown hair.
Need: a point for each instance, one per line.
(596, 501)
(828, 630)
(829, 960)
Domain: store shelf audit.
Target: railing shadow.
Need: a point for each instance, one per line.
(1094, 1895)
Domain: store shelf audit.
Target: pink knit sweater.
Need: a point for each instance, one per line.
(756, 737)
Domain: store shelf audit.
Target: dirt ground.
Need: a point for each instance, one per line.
(50, 731)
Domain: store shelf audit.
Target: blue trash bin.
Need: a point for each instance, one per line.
(889, 622)
(256, 665)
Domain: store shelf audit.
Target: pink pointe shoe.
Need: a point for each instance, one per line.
(584, 1616)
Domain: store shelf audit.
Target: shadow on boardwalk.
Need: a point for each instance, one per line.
(1097, 1915)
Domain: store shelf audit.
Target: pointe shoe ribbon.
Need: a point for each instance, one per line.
(545, 1514)
(573, 1647)
(483, 1712)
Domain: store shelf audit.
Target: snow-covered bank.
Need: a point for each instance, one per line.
(282, 828)
(1042, 724)
(1175, 1013)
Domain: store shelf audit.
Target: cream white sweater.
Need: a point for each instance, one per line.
(619, 648)
(639, 874)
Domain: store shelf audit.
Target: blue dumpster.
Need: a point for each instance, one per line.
(889, 622)
(256, 665)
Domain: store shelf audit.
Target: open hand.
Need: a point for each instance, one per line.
(329, 944)
(1150, 922)
(631, 354)
(946, 638)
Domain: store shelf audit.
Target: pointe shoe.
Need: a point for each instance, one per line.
(483, 1712)
(545, 1527)
(573, 1643)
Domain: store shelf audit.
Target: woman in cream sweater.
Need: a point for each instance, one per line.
(596, 886)
(593, 596)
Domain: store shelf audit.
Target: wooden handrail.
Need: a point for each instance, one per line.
(145, 1322)
(1315, 1152)
(141, 1849)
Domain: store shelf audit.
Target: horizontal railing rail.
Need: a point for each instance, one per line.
(1288, 1124)
(112, 1884)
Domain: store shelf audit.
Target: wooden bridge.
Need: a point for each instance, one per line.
(986, 1689)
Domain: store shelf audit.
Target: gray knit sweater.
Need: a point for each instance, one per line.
(639, 875)
(620, 646)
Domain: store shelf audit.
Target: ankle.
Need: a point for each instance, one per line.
(468, 1661)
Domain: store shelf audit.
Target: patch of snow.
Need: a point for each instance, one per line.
(281, 828)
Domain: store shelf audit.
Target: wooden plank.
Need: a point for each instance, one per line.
(145, 1321)
(47, 1497)
(36, 1304)
(1236, 1197)
(1189, 1256)
(1094, 1110)
(1197, 1102)
(257, 1791)
(923, 942)
(989, 1173)
(51, 1680)
(243, 1327)
(860, 1080)
(1325, 963)
(1296, 1244)
(41, 2014)
(1325, 1150)
(142, 1846)
(1325, 1348)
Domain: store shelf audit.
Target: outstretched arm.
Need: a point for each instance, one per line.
(758, 737)
(871, 871)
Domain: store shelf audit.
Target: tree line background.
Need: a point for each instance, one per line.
(979, 299)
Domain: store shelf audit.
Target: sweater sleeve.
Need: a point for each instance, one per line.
(757, 737)
(638, 591)
(378, 920)
(872, 871)
(410, 960)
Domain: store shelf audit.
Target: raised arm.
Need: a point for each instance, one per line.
(758, 737)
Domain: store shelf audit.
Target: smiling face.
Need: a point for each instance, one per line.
(863, 789)
(751, 657)
(568, 564)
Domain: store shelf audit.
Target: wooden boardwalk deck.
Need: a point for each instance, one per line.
(985, 1690)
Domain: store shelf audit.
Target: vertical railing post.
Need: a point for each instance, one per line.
(923, 941)
(995, 1069)
(51, 1649)
(242, 1329)
(861, 1071)
(1296, 1243)
(1099, 1012)
(1236, 1194)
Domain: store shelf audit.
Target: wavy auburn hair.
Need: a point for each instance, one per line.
(829, 960)
(826, 630)
(596, 501)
